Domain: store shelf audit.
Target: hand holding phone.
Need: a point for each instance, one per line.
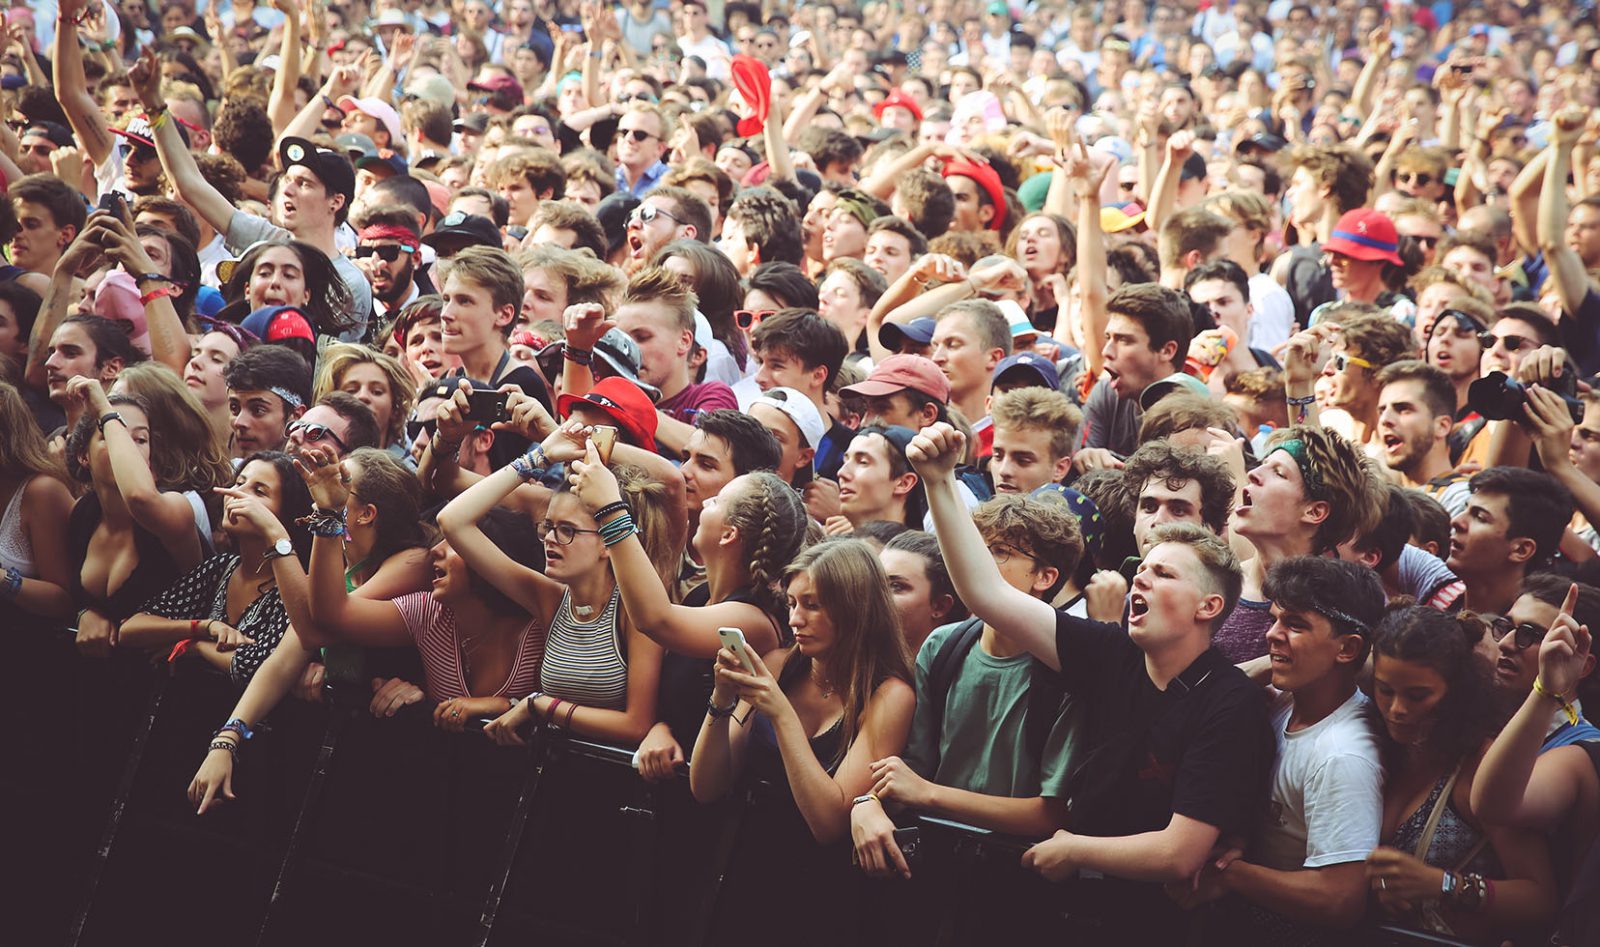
(604, 438)
(733, 640)
(486, 407)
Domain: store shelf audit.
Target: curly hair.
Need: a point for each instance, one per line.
(1046, 531)
(1333, 588)
(184, 453)
(1343, 477)
(769, 515)
(340, 357)
(1344, 172)
(1179, 466)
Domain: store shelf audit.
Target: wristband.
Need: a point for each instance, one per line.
(12, 583)
(530, 466)
(1566, 705)
(107, 418)
(555, 704)
(160, 292)
(716, 713)
(160, 118)
(576, 355)
(446, 448)
(331, 103)
(235, 726)
(1301, 402)
(869, 797)
(229, 745)
(609, 509)
(153, 278)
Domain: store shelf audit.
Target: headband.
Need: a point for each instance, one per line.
(289, 398)
(859, 209)
(1339, 615)
(1296, 449)
(390, 232)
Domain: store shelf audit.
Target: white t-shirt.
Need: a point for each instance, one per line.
(1327, 791)
(1271, 313)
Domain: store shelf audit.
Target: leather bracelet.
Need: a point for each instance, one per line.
(107, 418)
(609, 509)
(716, 713)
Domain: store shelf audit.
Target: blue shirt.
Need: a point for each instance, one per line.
(647, 181)
(1568, 734)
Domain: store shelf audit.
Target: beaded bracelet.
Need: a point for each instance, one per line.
(576, 355)
(609, 509)
(229, 745)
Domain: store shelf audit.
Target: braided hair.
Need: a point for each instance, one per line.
(770, 516)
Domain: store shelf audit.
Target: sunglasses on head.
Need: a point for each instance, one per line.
(1342, 361)
(748, 319)
(1527, 634)
(388, 253)
(627, 97)
(637, 134)
(312, 433)
(1419, 179)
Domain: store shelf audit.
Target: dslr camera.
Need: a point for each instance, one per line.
(1499, 397)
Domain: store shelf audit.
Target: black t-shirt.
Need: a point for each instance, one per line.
(1201, 748)
(1309, 282)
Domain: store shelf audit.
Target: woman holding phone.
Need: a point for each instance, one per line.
(802, 730)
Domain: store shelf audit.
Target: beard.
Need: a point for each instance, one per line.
(400, 286)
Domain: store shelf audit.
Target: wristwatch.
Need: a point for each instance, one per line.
(279, 549)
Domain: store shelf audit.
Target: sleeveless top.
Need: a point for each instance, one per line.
(1579, 919)
(202, 593)
(686, 682)
(441, 645)
(584, 661)
(15, 550)
(766, 761)
(155, 571)
(1455, 846)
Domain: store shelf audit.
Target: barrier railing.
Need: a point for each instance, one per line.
(349, 829)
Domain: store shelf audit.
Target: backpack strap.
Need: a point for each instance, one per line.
(942, 673)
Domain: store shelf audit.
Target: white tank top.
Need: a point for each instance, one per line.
(15, 550)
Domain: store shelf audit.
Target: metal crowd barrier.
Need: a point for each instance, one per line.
(353, 830)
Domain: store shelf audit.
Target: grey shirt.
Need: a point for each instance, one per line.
(245, 230)
(1109, 420)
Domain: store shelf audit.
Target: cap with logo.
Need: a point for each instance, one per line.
(332, 168)
(1366, 235)
(1032, 369)
(277, 323)
(625, 403)
(459, 230)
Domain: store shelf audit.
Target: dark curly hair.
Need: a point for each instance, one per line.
(1464, 717)
(1178, 466)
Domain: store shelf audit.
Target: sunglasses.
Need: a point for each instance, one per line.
(1341, 361)
(387, 254)
(646, 213)
(1527, 634)
(1420, 180)
(637, 134)
(748, 319)
(1513, 343)
(1426, 241)
(414, 429)
(627, 97)
(313, 433)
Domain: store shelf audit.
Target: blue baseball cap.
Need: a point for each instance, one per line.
(1034, 370)
(895, 334)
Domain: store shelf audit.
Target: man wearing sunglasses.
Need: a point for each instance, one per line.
(1419, 173)
(1517, 639)
(339, 422)
(667, 214)
(389, 250)
(1367, 343)
(642, 135)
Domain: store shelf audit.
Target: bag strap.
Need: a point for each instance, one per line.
(942, 673)
(1426, 839)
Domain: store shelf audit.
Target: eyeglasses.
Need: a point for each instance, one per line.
(637, 134)
(313, 433)
(1527, 634)
(1342, 361)
(748, 319)
(1002, 554)
(645, 213)
(1419, 179)
(387, 254)
(564, 533)
(1513, 343)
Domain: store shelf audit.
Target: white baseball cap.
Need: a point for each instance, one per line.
(800, 410)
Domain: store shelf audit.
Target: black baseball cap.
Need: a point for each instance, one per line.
(457, 231)
(332, 168)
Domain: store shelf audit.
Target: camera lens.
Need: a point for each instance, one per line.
(1497, 397)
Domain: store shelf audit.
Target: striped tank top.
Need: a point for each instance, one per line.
(583, 660)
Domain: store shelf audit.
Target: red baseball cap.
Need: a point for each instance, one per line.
(1365, 234)
(989, 180)
(276, 323)
(898, 99)
(625, 403)
(899, 372)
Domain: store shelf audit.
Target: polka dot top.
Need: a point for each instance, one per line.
(203, 594)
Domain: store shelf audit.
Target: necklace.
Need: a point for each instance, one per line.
(822, 686)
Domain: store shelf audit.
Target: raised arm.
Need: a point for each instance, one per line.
(1016, 615)
(1525, 202)
(681, 629)
(72, 89)
(176, 161)
(1566, 267)
(1380, 46)
(53, 309)
(1092, 292)
(778, 157)
(280, 101)
(912, 287)
(169, 338)
(1164, 196)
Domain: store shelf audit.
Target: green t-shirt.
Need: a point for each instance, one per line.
(981, 746)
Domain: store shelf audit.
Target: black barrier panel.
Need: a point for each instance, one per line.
(351, 830)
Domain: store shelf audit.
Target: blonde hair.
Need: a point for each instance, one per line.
(1245, 208)
(647, 500)
(1040, 409)
(588, 280)
(339, 357)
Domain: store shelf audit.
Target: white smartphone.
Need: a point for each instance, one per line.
(733, 640)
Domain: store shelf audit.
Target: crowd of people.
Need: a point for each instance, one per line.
(1166, 434)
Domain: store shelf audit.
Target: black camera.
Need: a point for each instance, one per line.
(1499, 397)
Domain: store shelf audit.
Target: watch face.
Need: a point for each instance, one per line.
(283, 547)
